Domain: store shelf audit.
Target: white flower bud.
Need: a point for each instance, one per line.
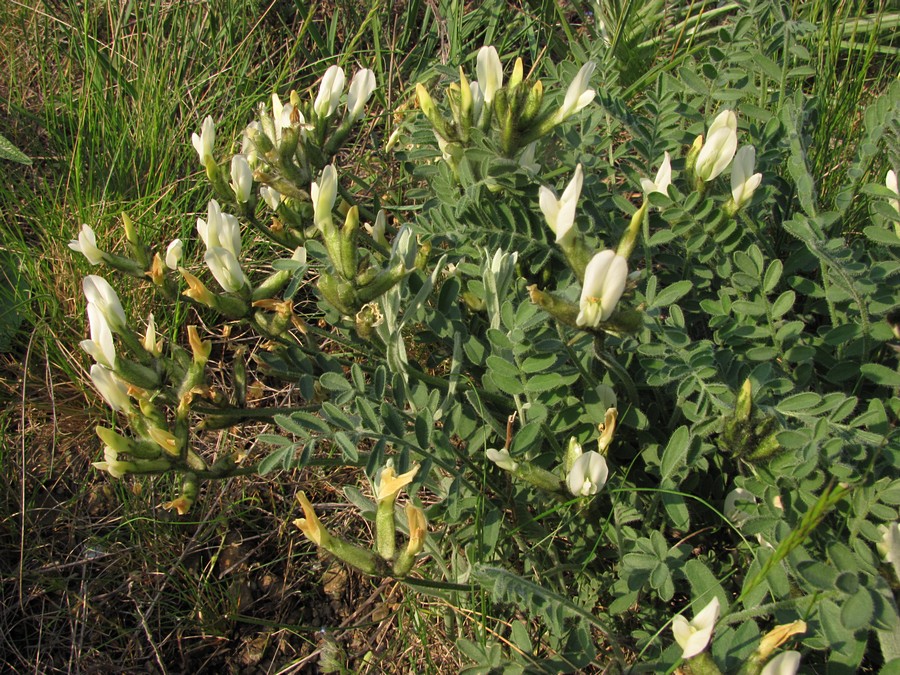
(205, 142)
(241, 178)
(329, 92)
(174, 252)
(719, 147)
(490, 73)
(361, 88)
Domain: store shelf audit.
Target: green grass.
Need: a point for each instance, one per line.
(104, 99)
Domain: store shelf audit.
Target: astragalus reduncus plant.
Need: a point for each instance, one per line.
(611, 404)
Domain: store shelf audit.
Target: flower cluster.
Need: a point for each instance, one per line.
(585, 472)
(707, 160)
(604, 274)
(514, 108)
(281, 150)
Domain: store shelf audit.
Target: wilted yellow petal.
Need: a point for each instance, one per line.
(417, 529)
(182, 505)
(157, 271)
(164, 439)
(310, 525)
(200, 348)
(777, 637)
(607, 429)
(196, 290)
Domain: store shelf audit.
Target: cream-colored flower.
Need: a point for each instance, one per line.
(890, 181)
(694, 636)
(663, 178)
(377, 231)
(241, 178)
(579, 94)
(226, 269)
(101, 346)
(490, 72)
(111, 388)
(330, 92)
(174, 252)
(220, 230)
(112, 465)
(205, 142)
(719, 146)
(743, 181)
(270, 196)
(389, 483)
(560, 213)
(86, 244)
(604, 282)
(588, 475)
(786, 663)
(361, 88)
(324, 194)
(99, 293)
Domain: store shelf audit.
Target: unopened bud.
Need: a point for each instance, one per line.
(130, 232)
(562, 310)
(532, 104)
(743, 407)
(429, 109)
(517, 74)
